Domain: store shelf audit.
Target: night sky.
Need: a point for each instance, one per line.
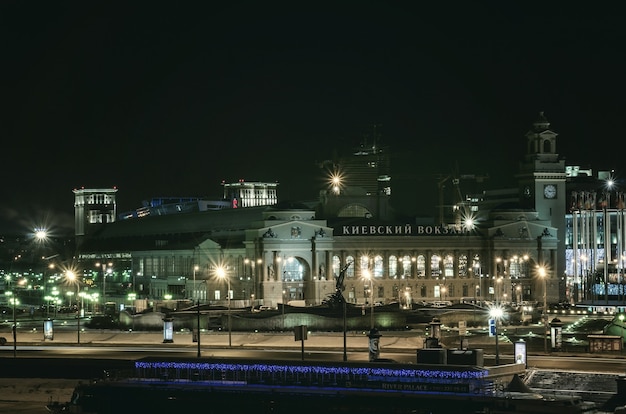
(171, 98)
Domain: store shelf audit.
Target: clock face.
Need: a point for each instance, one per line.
(549, 191)
(527, 192)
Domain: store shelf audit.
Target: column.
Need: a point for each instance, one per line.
(428, 267)
(314, 268)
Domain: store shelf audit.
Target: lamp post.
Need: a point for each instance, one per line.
(221, 273)
(105, 269)
(496, 313)
(55, 300)
(14, 328)
(72, 277)
(198, 326)
(621, 322)
(368, 275)
(193, 293)
(543, 274)
(46, 287)
(283, 306)
(371, 303)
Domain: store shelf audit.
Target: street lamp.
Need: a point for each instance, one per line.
(73, 278)
(47, 282)
(283, 306)
(198, 327)
(105, 269)
(496, 313)
(193, 294)
(14, 302)
(544, 274)
(335, 182)
(55, 300)
(496, 279)
(221, 273)
(368, 275)
(621, 322)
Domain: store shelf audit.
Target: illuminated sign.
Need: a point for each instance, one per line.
(400, 230)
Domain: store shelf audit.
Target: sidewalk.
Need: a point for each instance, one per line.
(285, 340)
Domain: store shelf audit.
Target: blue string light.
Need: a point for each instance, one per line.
(352, 376)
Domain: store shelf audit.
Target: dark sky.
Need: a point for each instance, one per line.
(171, 98)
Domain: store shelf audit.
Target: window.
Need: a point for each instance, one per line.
(393, 266)
(476, 266)
(421, 266)
(378, 267)
(463, 266)
(435, 261)
(364, 266)
(406, 267)
(336, 266)
(448, 265)
(354, 210)
(350, 271)
(293, 270)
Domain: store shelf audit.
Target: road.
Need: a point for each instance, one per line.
(554, 361)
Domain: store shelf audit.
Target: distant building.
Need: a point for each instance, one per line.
(250, 194)
(359, 184)
(93, 207)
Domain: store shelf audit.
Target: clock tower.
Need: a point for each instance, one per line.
(542, 183)
(542, 174)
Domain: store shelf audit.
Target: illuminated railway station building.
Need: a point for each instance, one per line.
(489, 247)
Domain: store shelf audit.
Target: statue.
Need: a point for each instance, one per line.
(336, 299)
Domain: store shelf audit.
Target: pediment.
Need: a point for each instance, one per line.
(294, 230)
(209, 244)
(547, 134)
(522, 230)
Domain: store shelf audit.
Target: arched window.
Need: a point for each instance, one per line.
(336, 266)
(421, 266)
(393, 266)
(378, 266)
(293, 270)
(435, 270)
(354, 210)
(476, 265)
(547, 146)
(463, 266)
(406, 266)
(364, 266)
(448, 265)
(350, 271)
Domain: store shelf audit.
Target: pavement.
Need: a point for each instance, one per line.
(391, 341)
(282, 340)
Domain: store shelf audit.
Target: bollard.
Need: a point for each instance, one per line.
(374, 344)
